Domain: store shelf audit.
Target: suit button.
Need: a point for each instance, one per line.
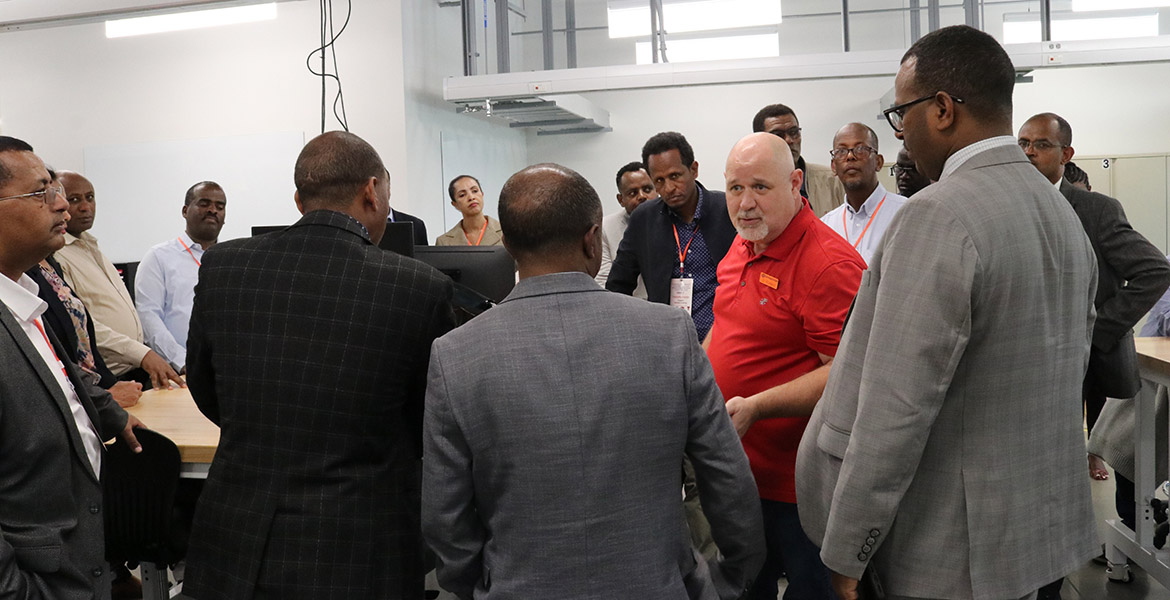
(96, 572)
(870, 540)
(93, 508)
(866, 548)
(874, 533)
(862, 556)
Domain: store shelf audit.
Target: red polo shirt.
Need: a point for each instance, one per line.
(773, 313)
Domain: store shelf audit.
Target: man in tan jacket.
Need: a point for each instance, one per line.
(822, 188)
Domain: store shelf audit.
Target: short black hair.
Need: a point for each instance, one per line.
(629, 167)
(968, 64)
(1075, 174)
(1064, 130)
(870, 133)
(333, 166)
(771, 111)
(10, 144)
(451, 186)
(545, 207)
(190, 196)
(665, 142)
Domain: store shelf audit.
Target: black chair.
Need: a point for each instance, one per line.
(141, 525)
(128, 270)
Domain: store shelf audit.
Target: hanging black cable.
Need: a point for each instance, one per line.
(329, 37)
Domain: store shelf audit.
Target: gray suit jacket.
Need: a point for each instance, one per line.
(51, 541)
(555, 428)
(945, 447)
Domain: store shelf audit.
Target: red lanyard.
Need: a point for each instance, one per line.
(188, 249)
(682, 252)
(41, 328)
(845, 224)
(481, 232)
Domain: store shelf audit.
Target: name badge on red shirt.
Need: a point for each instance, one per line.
(769, 281)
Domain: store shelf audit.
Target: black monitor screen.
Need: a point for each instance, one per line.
(263, 229)
(399, 237)
(488, 270)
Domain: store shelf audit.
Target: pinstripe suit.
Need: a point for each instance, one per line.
(945, 448)
(309, 348)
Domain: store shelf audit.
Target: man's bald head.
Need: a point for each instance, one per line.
(547, 209)
(82, 201)
(763, 188)
(857, 129)
(763, 146)
(333, 167)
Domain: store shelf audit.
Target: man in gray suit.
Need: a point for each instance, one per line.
(556, 425)
(51, 430)
(944, 456)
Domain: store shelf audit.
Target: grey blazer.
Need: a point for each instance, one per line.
(555, 428)
(945, 452)
(51, 541)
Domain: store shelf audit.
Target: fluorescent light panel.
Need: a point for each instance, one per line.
(632, 19)
(1065, 29)
(715, 48)
(1090, 5)
(190, 20)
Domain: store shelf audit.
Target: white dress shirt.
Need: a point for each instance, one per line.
(964, 154)
(164, 289)
(21, 299)
(863, 228)
(613, 229)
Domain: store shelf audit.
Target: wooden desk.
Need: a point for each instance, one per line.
(173, 413)
(1120, 542)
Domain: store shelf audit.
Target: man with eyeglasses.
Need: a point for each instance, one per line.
(164, 287)
(909, 180)
(51, 430)
(944, 458)
(868, 208)
(95, 280)
(820, 186)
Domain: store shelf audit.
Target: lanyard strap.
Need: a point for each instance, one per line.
(60, 364)
(481, 232)
(845, 224)
(188, 249)
(682, 252)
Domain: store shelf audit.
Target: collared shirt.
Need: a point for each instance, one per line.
(698, 266)
(115, 321)
(165, 290)
(863, 229)
(21, 299)
(613, 229)
(957, 159)
(774, 313)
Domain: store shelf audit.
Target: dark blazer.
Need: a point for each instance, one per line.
(420, 228)
(309, 348)
(1132, 272)
(57, 317)
(650, 250)
(51, 532)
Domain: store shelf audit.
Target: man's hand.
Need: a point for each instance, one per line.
(743, 413)
(846, 587)
(127, 434)
(126, 393)
(161, 373)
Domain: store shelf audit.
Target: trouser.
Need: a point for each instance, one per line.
(789, 550)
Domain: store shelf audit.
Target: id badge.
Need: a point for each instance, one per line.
(681, 291)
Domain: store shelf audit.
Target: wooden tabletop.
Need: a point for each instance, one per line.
(173, 413)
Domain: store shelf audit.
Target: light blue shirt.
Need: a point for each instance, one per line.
(850, 224)
(164, 291)
(1158, 321)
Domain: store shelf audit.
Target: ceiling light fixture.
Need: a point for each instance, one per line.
(183, 21)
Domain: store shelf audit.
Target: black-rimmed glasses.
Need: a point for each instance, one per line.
(792, 133)
(861, 152)
(894, 114)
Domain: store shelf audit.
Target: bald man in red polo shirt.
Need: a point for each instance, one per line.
(785, 287)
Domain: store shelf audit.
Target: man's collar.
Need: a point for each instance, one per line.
(783, 245)
(553, 283)
(964, 154)
(701, 192)
(21, 297)
(85, 236)
(870, 204)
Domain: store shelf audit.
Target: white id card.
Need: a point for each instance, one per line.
(681, 292)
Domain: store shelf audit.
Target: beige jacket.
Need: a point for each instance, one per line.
(494, 236)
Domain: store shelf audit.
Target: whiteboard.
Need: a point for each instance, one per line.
(140, 187)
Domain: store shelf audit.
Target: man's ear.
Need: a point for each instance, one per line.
(297, 200)
(592, 242)
(881, 161)
(185, 211)
(943, 109)
(695, 169)
(1066, 154)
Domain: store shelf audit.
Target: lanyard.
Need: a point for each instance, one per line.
(188, 249)
(845, 224)
(682, 252)
(481, 232)
(60, 364)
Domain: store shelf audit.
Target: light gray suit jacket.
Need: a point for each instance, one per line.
(945, 447)
(555, 429)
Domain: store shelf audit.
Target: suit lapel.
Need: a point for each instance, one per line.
(50, 384)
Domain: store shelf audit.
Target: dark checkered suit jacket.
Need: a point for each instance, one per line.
(309, 348)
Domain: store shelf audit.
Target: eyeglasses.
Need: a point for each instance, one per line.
(899, 169)
(1038, 145)
(46, 196)
(895, 114)
(861, 152)
(792, 133)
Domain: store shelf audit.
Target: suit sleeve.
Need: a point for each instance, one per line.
(150, 297)
(1136, 262)
(200, 373)
(724, 478)
(624, 271)
(917, 339)
(439, 322)
(450, 522)
(15, 583)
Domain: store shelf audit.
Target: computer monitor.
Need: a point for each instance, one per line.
(488, 270)
(399, 237)
(263, 229)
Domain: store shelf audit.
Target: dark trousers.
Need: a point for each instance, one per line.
(1124, 499)
(789, 550)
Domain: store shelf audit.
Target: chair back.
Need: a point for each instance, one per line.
(139, 498)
